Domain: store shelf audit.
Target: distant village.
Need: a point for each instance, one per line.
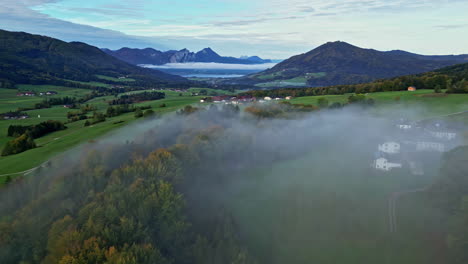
(229, 99)
(36, 94)
(414, 141)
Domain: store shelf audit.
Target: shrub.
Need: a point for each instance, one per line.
(18, 145)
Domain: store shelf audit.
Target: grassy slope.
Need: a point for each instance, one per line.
(421, 99)
(76, 133)
(302, 212)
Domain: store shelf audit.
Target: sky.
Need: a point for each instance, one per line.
(275, 29)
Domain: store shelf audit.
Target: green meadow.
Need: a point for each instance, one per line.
(76, 133)
(425, 102)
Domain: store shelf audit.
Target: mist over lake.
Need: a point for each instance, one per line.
(210, 70)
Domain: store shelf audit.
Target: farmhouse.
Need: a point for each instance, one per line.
(442, 134)
(267, 98)
(288, 97)
(411, 89)
(430, 146)
(384, 165)
(390, 147)
(404, 126)
(26, 94)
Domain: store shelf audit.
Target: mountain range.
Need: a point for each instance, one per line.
(156, 57)
(341, 63)
(35, 59)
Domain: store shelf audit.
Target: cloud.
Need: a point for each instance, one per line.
(212, 66)
(18, 16)
(452, 26)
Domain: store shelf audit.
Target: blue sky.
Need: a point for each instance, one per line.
(271, 29)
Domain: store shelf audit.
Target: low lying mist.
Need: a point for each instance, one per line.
(300, 188)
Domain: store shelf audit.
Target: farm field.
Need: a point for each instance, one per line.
(76, 133)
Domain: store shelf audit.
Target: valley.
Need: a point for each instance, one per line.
(339, 155)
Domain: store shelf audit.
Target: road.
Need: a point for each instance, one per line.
(392, 205)
(26, 172)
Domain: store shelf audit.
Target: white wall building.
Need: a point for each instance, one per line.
(430, 146)
(384, 165)
(404, 127)
(390, 147)
(267, 98)
(443, 135)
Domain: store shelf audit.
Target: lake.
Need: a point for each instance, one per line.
(210, 70)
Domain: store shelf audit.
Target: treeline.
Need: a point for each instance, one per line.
(286, 109)
(36, 131)
(138, 97)
(25, 136)
(453, 79)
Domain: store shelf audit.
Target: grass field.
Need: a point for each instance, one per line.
(298, 81)
(418, 104)
(303, 211)
(76, 133)
(108, 78)
(57, 142)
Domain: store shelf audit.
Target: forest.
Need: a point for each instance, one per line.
(200, 187)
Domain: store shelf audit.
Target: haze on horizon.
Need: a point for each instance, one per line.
(274, 29)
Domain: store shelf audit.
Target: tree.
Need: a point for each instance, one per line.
(148, 113)
(18, 145)
(323, 102)
(437, 89)
(138, 113)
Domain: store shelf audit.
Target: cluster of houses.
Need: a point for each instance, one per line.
(14, 116)
(414, 141)
(228, 99)
(34, 94)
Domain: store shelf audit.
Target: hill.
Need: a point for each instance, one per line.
(156, 57)
(337, 63)
(35, 59)
(454, 79)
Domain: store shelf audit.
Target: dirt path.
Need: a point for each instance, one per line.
(392, 205)
(26, 172)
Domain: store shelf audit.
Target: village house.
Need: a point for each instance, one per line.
(384, 165)
(411, 89)
(447, 135)
(267, 98)
(390, 147)
(26, 94)
(288, 97)
(430, 146)
(404, 126)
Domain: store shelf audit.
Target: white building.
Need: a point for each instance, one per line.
(384, 165)
(443, 135)
(404, 127)
(202, 101)
(267, 98)
(430, 146)
(390, 147)
(288, 97)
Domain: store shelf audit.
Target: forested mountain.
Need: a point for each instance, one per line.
(35, 59)
(453, 78)
(337, 63)
(156, 57)
(256, 59)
